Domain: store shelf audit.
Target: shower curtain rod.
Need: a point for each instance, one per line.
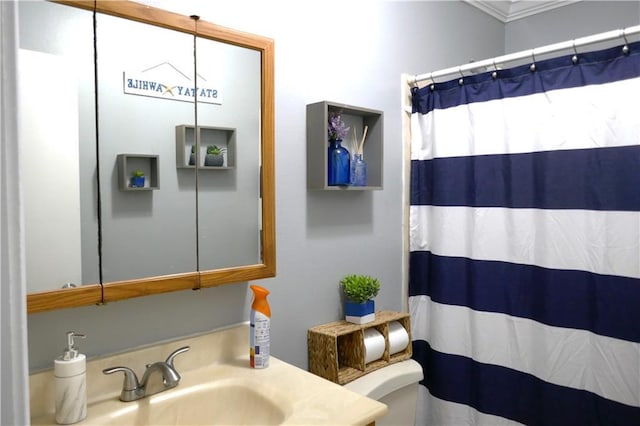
(531, 53)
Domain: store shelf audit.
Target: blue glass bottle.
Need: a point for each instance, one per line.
(338, 164)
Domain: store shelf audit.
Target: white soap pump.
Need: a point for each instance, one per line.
(71, 383)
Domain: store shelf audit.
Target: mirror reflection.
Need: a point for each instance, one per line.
(58, 149)
(142, 70)
(147, 152)
(229, 198)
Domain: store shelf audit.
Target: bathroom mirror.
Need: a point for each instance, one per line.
(191, 226)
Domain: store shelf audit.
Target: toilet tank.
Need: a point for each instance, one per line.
(395, 385)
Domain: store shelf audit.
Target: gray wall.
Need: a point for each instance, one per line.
(353, 53)
(569, 22)
(349, 54)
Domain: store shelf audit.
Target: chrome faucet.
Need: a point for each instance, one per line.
(158, 377)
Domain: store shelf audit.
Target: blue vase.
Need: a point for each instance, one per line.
(338, 164)
(137, 182)
(359, 313)
(358, 175)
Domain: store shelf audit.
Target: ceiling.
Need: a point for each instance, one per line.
(510, 10)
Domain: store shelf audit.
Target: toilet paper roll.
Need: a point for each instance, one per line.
(398, 338)
(373, 345)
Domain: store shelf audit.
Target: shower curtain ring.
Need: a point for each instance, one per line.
(433, 82)
(574, 58)
(494, 74)
(625, 48)
(533, 58)
(461, 81)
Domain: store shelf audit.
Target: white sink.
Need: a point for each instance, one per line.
(223, 402)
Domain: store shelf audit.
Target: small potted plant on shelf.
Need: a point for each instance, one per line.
(215, 156)
(137, 180)
(192, 156)
(359, 291)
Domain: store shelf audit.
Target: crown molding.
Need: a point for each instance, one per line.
(511, 10)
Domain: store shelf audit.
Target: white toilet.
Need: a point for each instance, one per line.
(395, 385)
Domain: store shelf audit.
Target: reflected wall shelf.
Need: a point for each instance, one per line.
(223, 137)
(129, 163)
(318, 144)
(337, 352)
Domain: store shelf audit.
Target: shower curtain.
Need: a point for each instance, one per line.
(14, 368)
(524, 275)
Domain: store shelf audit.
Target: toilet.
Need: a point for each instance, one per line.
(395, 385)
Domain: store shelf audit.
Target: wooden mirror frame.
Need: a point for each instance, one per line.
(93, 294)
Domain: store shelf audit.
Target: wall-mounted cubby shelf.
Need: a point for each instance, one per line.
(337, 349)
(129, 163)
(223, 137)
(317, 143)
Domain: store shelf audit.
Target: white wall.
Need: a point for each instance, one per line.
(50, 160)
(351, 52)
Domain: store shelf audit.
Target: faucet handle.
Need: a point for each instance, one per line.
(175, 353)
(130, 379)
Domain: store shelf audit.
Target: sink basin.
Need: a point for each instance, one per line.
(224, 402)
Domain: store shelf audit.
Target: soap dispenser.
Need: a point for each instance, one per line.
(70, 383)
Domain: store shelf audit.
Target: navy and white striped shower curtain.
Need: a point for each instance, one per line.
(524, 277)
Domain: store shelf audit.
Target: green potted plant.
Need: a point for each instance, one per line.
(359, 291)
(137, 179)
(215, 156)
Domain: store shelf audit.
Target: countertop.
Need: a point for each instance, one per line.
(216, 356)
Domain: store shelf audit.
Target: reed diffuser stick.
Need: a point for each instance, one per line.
(354, 144)
(364, 135)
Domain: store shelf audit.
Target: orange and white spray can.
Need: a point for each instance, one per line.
(260, 328)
